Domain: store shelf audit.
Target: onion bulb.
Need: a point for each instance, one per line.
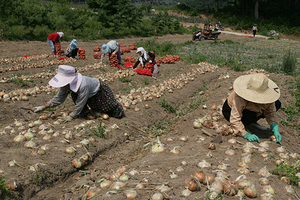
(209, 179)
(280, 150)
(124, 177)
(121, 170)
(199, 176)
(28, 135)
(163, 188)
(70, 150)
(19, 138)
(183, 163)
(211, 146)
(175, 150)
(264, 172)
(268, 189)
(217, 186)
(157, 196)
(230, 188)
(140, 185)
(134, 172)
(204, 164)
(230, 152)
(250, 191)
(197, 124)
(266, 196)
(130, 194)
(289, 189)
(191, 184)
(30, 144)
(105, 184)
(264, 181)
(158, 148)
(232, 141)
(243, 183)
(105, 116)
(117, 185)
(186, 192)
(77, 163)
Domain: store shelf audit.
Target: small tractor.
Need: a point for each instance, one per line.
(206, 33)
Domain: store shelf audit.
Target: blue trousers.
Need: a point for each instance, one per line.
(51, 45)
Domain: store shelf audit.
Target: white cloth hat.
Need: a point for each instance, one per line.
(61, 34)
(256, 88)
(66, 75)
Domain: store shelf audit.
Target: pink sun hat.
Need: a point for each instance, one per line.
(66, 75)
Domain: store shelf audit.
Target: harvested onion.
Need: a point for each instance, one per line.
(250, 191)
(186, 192)
(191, 184)
(130, 194)
(157, 196)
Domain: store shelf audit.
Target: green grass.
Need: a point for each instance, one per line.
(3, 187)
(167, 106)
(125, 80)
(100, 131)
(288, 171)
(18, 81)
(196, 105)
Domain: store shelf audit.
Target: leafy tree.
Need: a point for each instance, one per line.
(6, 9)
(113, 13)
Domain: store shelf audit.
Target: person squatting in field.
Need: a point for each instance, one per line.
(147, 60)
(112, 47)
(85, 91)
(254, 97)
(54, 38)
(72, 49)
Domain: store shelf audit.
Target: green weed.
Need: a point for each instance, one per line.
(100, 131)
(146, 81)
(18, 81)
(196, 105)
(167, 106)
(3, 187)
(285, 170)
(289, 63)
(125, 80)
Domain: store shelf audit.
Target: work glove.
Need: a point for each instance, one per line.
(274, 128)
(66, 119)
(251, 137)
(39, 109)
(100, 63)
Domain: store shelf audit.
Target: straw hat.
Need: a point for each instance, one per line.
(66, 75)
(256, 88)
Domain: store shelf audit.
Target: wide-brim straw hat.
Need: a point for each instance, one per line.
(65, 75)
(256, 88)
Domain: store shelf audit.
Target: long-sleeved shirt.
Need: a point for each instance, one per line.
(88, 88)
(53, 37)
(238, 104)
(114, 47)
(254, 28)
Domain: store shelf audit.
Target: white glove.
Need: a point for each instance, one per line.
(100, 63)
(66, 119)
(39, 109)
(150, 61)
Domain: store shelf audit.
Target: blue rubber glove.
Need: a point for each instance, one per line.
(274, 128)
(251, 137)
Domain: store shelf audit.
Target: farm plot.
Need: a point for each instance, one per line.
(150, 152)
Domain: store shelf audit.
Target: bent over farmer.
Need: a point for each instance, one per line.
(54, 38)
(112, 47)
(72, 49)
(254, 97)
(85, 91)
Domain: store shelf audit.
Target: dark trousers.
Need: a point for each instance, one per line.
(248, 117)
(254, 33)
(118, 55)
